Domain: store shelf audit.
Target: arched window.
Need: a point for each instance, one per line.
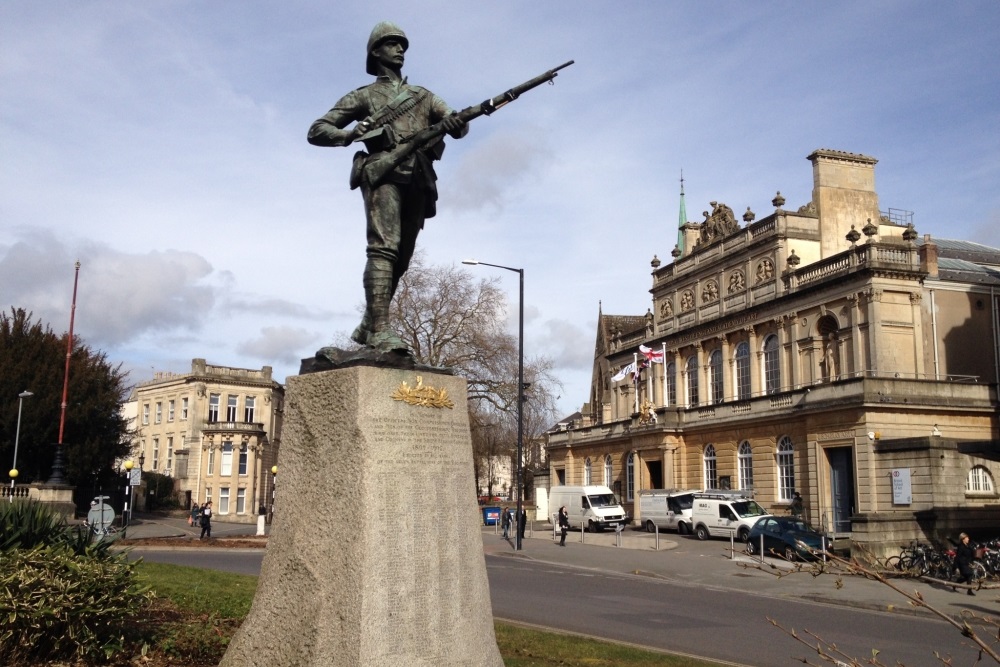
(745, 458)
(711, 472)
(692, 380)
(772, 371)
(979, 481)
(786, 469)
(742, 369)
(671, 383)
(586, 472)
(607, 470)
(715, 375)
(630, 477)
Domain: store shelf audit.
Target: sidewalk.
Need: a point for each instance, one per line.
(153, 526)
(687, 561)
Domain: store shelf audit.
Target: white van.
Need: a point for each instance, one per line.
(722, 513)
(666, 509)
(589, 507)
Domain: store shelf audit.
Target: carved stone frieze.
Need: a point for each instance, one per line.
(765, 271)
(666, 308)
(687, 300)
(710, 292)
(737, 282)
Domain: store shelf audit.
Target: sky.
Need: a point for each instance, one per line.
(162, 144)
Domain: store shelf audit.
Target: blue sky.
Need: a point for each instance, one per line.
(163, 145)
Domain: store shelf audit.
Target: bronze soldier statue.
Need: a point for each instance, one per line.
(397, 201)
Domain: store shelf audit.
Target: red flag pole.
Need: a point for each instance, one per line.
(56, 478)
(69, 352)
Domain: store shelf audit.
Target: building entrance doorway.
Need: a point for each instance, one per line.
(655, 469)
(842, 501)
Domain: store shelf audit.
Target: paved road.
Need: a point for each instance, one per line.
(688, 597)
(712, 622)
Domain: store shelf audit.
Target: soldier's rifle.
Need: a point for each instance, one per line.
(377, 168)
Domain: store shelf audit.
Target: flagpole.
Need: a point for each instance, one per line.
(635, 362)
(649, 382)
(666, 399)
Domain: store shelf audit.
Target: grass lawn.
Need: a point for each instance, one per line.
(208, 607)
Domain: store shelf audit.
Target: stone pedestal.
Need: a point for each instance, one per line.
(57, 496)
(373, 557)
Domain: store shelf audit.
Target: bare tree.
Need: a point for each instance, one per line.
(450, 319)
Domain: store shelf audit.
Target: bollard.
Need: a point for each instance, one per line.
(618, 534)
(732, 546)
(762, 547)
(656, 533)
(822, 544)
(583, 532)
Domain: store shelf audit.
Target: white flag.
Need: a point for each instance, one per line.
(620, 375)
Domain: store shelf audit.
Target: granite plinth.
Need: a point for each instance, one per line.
(374, 557)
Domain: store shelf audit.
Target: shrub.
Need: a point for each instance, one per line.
(58, 605)
(25, 525)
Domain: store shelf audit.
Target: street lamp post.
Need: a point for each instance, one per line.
(520, 387)
(131, 493)
(17, 436)
(274, 480)
(128, 465)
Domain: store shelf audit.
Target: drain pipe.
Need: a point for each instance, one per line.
(934, 333)
(996, 360)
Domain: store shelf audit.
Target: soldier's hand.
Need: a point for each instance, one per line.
(360, 129)
(454, 125)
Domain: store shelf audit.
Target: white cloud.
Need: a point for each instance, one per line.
(163, 145)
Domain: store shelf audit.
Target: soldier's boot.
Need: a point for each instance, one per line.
(378, 291)
(363, 330)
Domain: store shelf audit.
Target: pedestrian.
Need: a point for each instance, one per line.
(387, 112)
(563, 525)
(195, 514)
(521, 523)
(964, 555)
(505, 521)
(206, 520)
(795, 509)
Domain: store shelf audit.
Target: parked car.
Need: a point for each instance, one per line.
(783, 535)
(589, 507)
(720, 513)
(666, 509)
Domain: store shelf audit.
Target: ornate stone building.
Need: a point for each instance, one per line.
(827, 350)
(216, 431)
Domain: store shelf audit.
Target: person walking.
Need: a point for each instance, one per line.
(964, 555)
(522, 521)
(206, 520)
(563, 525)
(505, 521)
(795, 509)
(195, 514)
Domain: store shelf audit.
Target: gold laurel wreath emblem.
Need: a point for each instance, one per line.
(428, 397)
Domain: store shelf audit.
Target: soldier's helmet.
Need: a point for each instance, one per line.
(381, 32)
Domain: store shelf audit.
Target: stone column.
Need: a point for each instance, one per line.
(727, 375)
(755, 357)
(856, 341)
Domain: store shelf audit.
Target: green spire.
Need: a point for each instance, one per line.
(681, 219)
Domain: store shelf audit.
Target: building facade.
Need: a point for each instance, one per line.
(827, 350)
(216, 431)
